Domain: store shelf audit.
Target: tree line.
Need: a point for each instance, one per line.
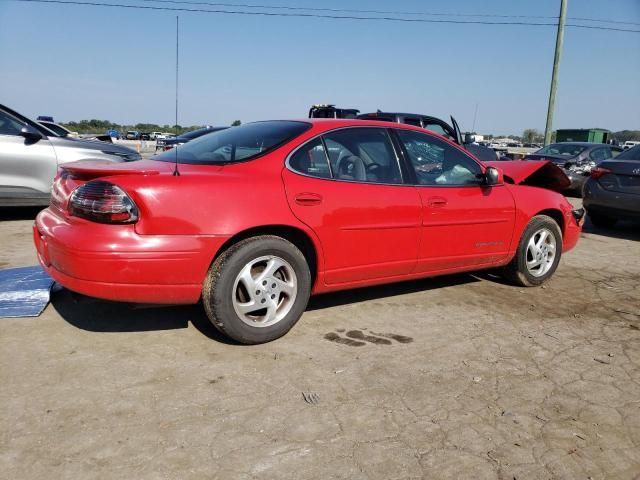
(101, 126)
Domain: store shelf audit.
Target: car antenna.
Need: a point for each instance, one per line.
(176, 173)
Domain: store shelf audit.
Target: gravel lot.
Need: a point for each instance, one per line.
(456, 377)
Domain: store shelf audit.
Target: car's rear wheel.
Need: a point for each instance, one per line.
(602, 220)
(257, 290)
(538, 253)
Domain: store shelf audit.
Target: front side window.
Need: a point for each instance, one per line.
(236, 144)
(310, 159)
(362, 155)
(8, 125)
(437, 128)
(437, 163)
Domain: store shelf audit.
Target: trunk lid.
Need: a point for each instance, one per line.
(536, 173)
(89, 169)
(625, 176)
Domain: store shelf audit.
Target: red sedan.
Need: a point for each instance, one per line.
(254, 219)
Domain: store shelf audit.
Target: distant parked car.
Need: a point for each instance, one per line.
(576, 158)
(59, 129)
(145, 136)
(30, 155)
(613, 190)
(169, 143)
(156, 135)
(113, 133)
(629, 144)
(132, 135)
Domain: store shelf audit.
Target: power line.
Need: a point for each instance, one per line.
(381, 12)
(316, 15)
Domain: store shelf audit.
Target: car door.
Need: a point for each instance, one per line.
(27, 166)
(464, 223)
(346, 185)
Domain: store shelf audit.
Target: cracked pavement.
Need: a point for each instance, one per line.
(469, 378)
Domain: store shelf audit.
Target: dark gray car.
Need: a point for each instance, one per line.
(31, 153)
(576, 158)
(612, 192)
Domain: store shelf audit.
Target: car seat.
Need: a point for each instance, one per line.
(350, 167)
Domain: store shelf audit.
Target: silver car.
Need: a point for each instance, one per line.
(30, 155)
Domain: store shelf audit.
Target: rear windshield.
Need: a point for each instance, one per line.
(562, 149)
(237, 143)
(630, 154)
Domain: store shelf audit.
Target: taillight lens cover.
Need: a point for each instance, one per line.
(598, 172)
(102, 202)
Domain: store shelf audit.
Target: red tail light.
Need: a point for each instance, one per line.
(102, 202)
(598, 172)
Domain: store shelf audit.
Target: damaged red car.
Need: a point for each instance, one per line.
(254, 219)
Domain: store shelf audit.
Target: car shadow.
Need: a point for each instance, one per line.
(364, 294)
(101, 316)
(19, 213)
(95, 315)
(623, 229)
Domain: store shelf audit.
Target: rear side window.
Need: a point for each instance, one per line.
(600, 154)
(311, 159)
(362, 155)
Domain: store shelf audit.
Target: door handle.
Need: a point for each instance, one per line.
(436, 202)
(308, 199)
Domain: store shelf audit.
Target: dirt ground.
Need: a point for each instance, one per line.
(456, 377)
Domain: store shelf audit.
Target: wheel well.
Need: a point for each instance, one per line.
(296, 236)
(556, 215)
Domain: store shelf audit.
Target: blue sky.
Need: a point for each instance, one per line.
(81, 62)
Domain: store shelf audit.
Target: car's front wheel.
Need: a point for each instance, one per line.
(257, 290)
(538, 253)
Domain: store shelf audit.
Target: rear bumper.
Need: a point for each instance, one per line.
(113, 262)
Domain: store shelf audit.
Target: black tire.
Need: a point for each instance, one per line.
(602, 221)
(517, 271)
(218, 291)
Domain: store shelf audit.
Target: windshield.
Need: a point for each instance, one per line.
(630, 154)
(236, 144)
(562, 149)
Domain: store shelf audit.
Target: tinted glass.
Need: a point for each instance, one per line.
(236, 144)
(630, 154)
(362, 155)
(9, 126)
(56, 129)
(310, 159)
(600, 154)
(199, 132)
(563, 149)
(438, 163)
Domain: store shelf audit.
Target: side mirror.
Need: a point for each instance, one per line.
(30, 133)
(493, 176)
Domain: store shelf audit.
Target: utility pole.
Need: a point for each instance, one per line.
(554, 76)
